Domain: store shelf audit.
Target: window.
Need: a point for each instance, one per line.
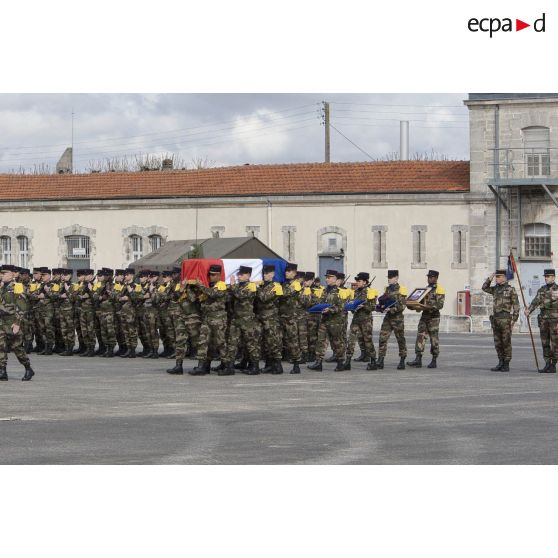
(253, 230)
(155, 242)
(6, 246)
(536, 143)
(77, 247)
(136, 243)
(418, 233)
(459, 246)
(379, 237)
(23, 245)
(537, 240)
(217, 231)
(289, 242)
(332, 243)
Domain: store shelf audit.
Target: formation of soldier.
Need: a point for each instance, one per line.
(239, 324)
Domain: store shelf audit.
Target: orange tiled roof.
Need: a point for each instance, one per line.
(247, 180)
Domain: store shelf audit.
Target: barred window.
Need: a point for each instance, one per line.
(23, 245)
(6, 246)
(536, 141)
(77, 247)
(136, 242)
(537, 240)
(155, 242)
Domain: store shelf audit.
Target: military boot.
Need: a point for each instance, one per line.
(177, 368)
(29, 347)
(296, 368)
(242, 365)
(341, 366)
(330, 359)
(3, 374)
(47, 351)
(277, 367)
(253, 369)
(552, 368)
(311, 356)
(110, 351)
(505, 366)
(144, 351)
(90, 352)
(380, 363)
(154, 354)
(432, 363)
(68, 352)
(101, 350)
(125, 354)
(372, 364)
(132, 353)
(317, 365)
(28, 373)
(498, 366)
(268, 367)
(303, 358)
(172, 353)
(417, 363)
(347, 364)
(220, 366)
(228, 370)
(203, 368)
(80, 349)
(361, 358)
(401, 365)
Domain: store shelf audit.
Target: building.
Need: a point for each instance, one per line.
(458, 217)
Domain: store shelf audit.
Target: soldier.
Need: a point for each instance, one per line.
(331, 325)
(101, 350)
(547, 300)
(163, 298)
(64, 302)
(27, 323)
(174, 308)
(43, 295)
(214, 322)
(77, 322)
(33, 286)
(346, 294)
(429, 323)
(56, 286)
(504, 315)
(392, 305)
(287, 313)
(12, 309)
(361, 324)
(150, 314)
(102, 295)
(267, 312)
(301, 314)
(117, 290)
(143, 330)
(126, 298)
(313, 319)
(84, 300)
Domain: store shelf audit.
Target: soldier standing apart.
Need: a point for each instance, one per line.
(331, 325)
(393, 319)
(361, 324)
(429, 323)
(547, 300)
(12, 309)
(288, 307)
(504, 315)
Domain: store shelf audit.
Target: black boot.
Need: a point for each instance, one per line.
(101, 350)
(47, 351)
(317, 365)
(551, 368)
(311, 356)
(303, 358)
(268, 368)
(242, 365)
(132, 353)
(347, 365)
(203, 368)
(146, 353)
(498, 366)
(417, 363)
(125, 354)
(432, 363)
(172, 353)
(29, 348)
(277, 367)
(68, 352)
(154, 354)
(361, 358)
(3, 375)
(28, 373)
(110, 351)
(372, 364)
(253, 369)
(380, 363)
(330, 359)
(341, 366)
(220, 366)
(505, 366)
(177, 368)
(227, 370)
(80, 349)
(296, 369)
(401, 365)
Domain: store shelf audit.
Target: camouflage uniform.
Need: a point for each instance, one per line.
(12, 309)
(127, 297)
(212, 338)
(84, 300)
(547, 300)
(188, 320)
(46, 313)
(332, 324)
(150, 316)
(34, 314)
(267, 312)
(288, 315)
(361, 324)
(174, 310)
(505, 312)
(27, 324)
(115, 293)
(313, 323)
(105, 312)
(65, 309)
(393, 321)
(163, 299)
(429, 323)
(58, 338)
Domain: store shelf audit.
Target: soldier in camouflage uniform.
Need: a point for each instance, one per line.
(429, 323)
(174, 308)
(361, 324)
(331, 324)
(77, 322)
(547, 300)
(163, 299)
(504, 315)
(151, 315)
(117, 290)
(393, 319)
(143, 331)
(12, 309)
(84, 299)
(267, 313)
(214, 322)
(33, 286)
(43, 296)
(65, 304)
(27, 323)
(56, 287)
(186, 323)
(287, 314)
(102, 296)
(127, 297)
(301, 316)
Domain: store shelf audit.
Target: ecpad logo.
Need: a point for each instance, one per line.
(492, 25)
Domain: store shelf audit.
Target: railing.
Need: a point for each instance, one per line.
(527, 163)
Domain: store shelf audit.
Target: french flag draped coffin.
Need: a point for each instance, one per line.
(199, 268)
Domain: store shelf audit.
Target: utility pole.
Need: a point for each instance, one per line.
(327, 130)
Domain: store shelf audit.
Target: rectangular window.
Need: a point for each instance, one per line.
(418, 233)
(289, 232)
(137, 247)
(459, 234)
(155, 242)
(379, 236)
(23, 245)
(537, 240)
(6, 245)
(538, 164)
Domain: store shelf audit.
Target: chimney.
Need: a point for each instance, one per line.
(404, 140)
(65, 163)
(167, 164)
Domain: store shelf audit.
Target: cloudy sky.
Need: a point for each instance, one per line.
(226, 129)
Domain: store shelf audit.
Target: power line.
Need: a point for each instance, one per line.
(394, 105)
(352, 142)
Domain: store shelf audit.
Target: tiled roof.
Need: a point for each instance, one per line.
(247, 180)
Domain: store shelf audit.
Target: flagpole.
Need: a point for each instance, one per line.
(514, 267)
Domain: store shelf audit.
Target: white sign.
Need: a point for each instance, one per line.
(78, 252)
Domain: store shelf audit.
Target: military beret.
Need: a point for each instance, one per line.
(144, 273)
(129, 271)
(7, 267)
(300, 274)
(176, 270)
(154, 274)
(245, 269)
(331, 273)
(215, 269)
(267, 268)
(167, 273)
(340, 275)
(119, 271)
(393, 273)
(26, 270)
(67, 271)
(501, 272)
(45, 271)
(17, 269)
(309, 275)
(291, 267)
(80, 272)
(37, 269)
(549, 272)
(107, 271)
(433, 273)
(362, 276)
(55, 270)
(88, 271)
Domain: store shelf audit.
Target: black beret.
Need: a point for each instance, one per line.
(176, 270)
(167, 273)
(433, 273)
(215, 268)
(37, 269)
(501, 272)
(129, 271)
(393, 273)
(309, 275)
(267, 268)
(88, 271)
(7, 267)
(25, 270)
(331, 273)
(244, 269)
(80, 272)
(300, 274)
(107, 271)
(66, 271)
(549, 272)
(362, 276)
(291, 267)
(340, 275)
(154, 274)
(144, 273)
(119, 271)
(45, 270)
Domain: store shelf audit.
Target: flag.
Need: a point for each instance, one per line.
(512, 267)
(198, 268)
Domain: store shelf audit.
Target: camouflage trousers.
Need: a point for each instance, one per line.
(271, 337)
(212, 339)
(361, 330)
(168, 335)
(151, 318)
(428, 326)
(106, 322)
(141, 327)
(312, 323)
(501, 328)
(549, 338)
(11, 342)
(87, 325)
(77, 323)
(291, 338)
(46, 324)
(128, 322)
(119, 328)
(27, 328)
(67, 326)
(57, 327)
(35, 316)
(396, 324)
(187, 329)
(97, 325)
(242, 334)
(331, 328)
(302, 332)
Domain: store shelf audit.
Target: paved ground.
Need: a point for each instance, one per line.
(116, 411)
